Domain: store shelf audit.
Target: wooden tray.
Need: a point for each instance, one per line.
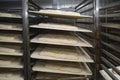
(11, 76)
(107, 77)
(62, 67)
(61, 14)
(9, 15)
(61, 39)
(51, 76)
(10, 62)
(5, 37)
(12, 50)
(56, 26)
(10, 26)
(72, 54)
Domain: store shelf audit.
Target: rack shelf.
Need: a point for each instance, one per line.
(71, 54)
(63, 68)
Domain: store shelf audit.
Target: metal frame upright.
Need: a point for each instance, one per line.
(26, 37)
(97, 38)
(26, 40)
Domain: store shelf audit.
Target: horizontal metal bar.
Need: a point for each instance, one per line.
(87, 10)
(116, 48)
(72, 78)
(83, 5)
(110, 36)
(108, 72)
(111, 25)
(111, 56)
(110, 65)
(110, 15)
(111, 5)
(32, 2)
(85, 22)
(86, 38)
(80, 4)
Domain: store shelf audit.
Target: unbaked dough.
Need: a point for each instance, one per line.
(8, 50)
(62, 53)
(63, 67)
(3, 62)
(9, 26)
(5, 74)
(9, 15)
(59, 38)
(9, 36)
(60, 12)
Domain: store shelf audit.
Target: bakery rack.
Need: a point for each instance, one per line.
(28, 32)
(110, 39)
(11, 41)
(89, 35)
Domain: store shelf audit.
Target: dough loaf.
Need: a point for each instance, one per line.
(5, 74)
(8, 50)
(9, 26)
(62, 53)
(58, 26)
(63, 67)
(5, 63)
(59, 38)
(59, 12)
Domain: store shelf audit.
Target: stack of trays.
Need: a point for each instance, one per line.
(64, 53)
(10, 48)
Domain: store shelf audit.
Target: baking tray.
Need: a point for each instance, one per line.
(10, 26)
(50, 76)
(71, 54)
(12, 50)
(62, 68)
(10, 62)
(9, 15)
(16, 38)
(61, 14)
(63, 27)
(62, 38)
(11, 76)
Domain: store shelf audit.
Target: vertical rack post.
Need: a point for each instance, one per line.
(97, 38)
(26, 40)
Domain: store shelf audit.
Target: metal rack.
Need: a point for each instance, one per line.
(11, 20)
(88, 7)
(110, 40)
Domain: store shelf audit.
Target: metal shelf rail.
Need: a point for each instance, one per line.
(91, 7)
(110, 38)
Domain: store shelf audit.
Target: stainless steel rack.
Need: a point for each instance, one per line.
(101, 25)
(110, 27)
